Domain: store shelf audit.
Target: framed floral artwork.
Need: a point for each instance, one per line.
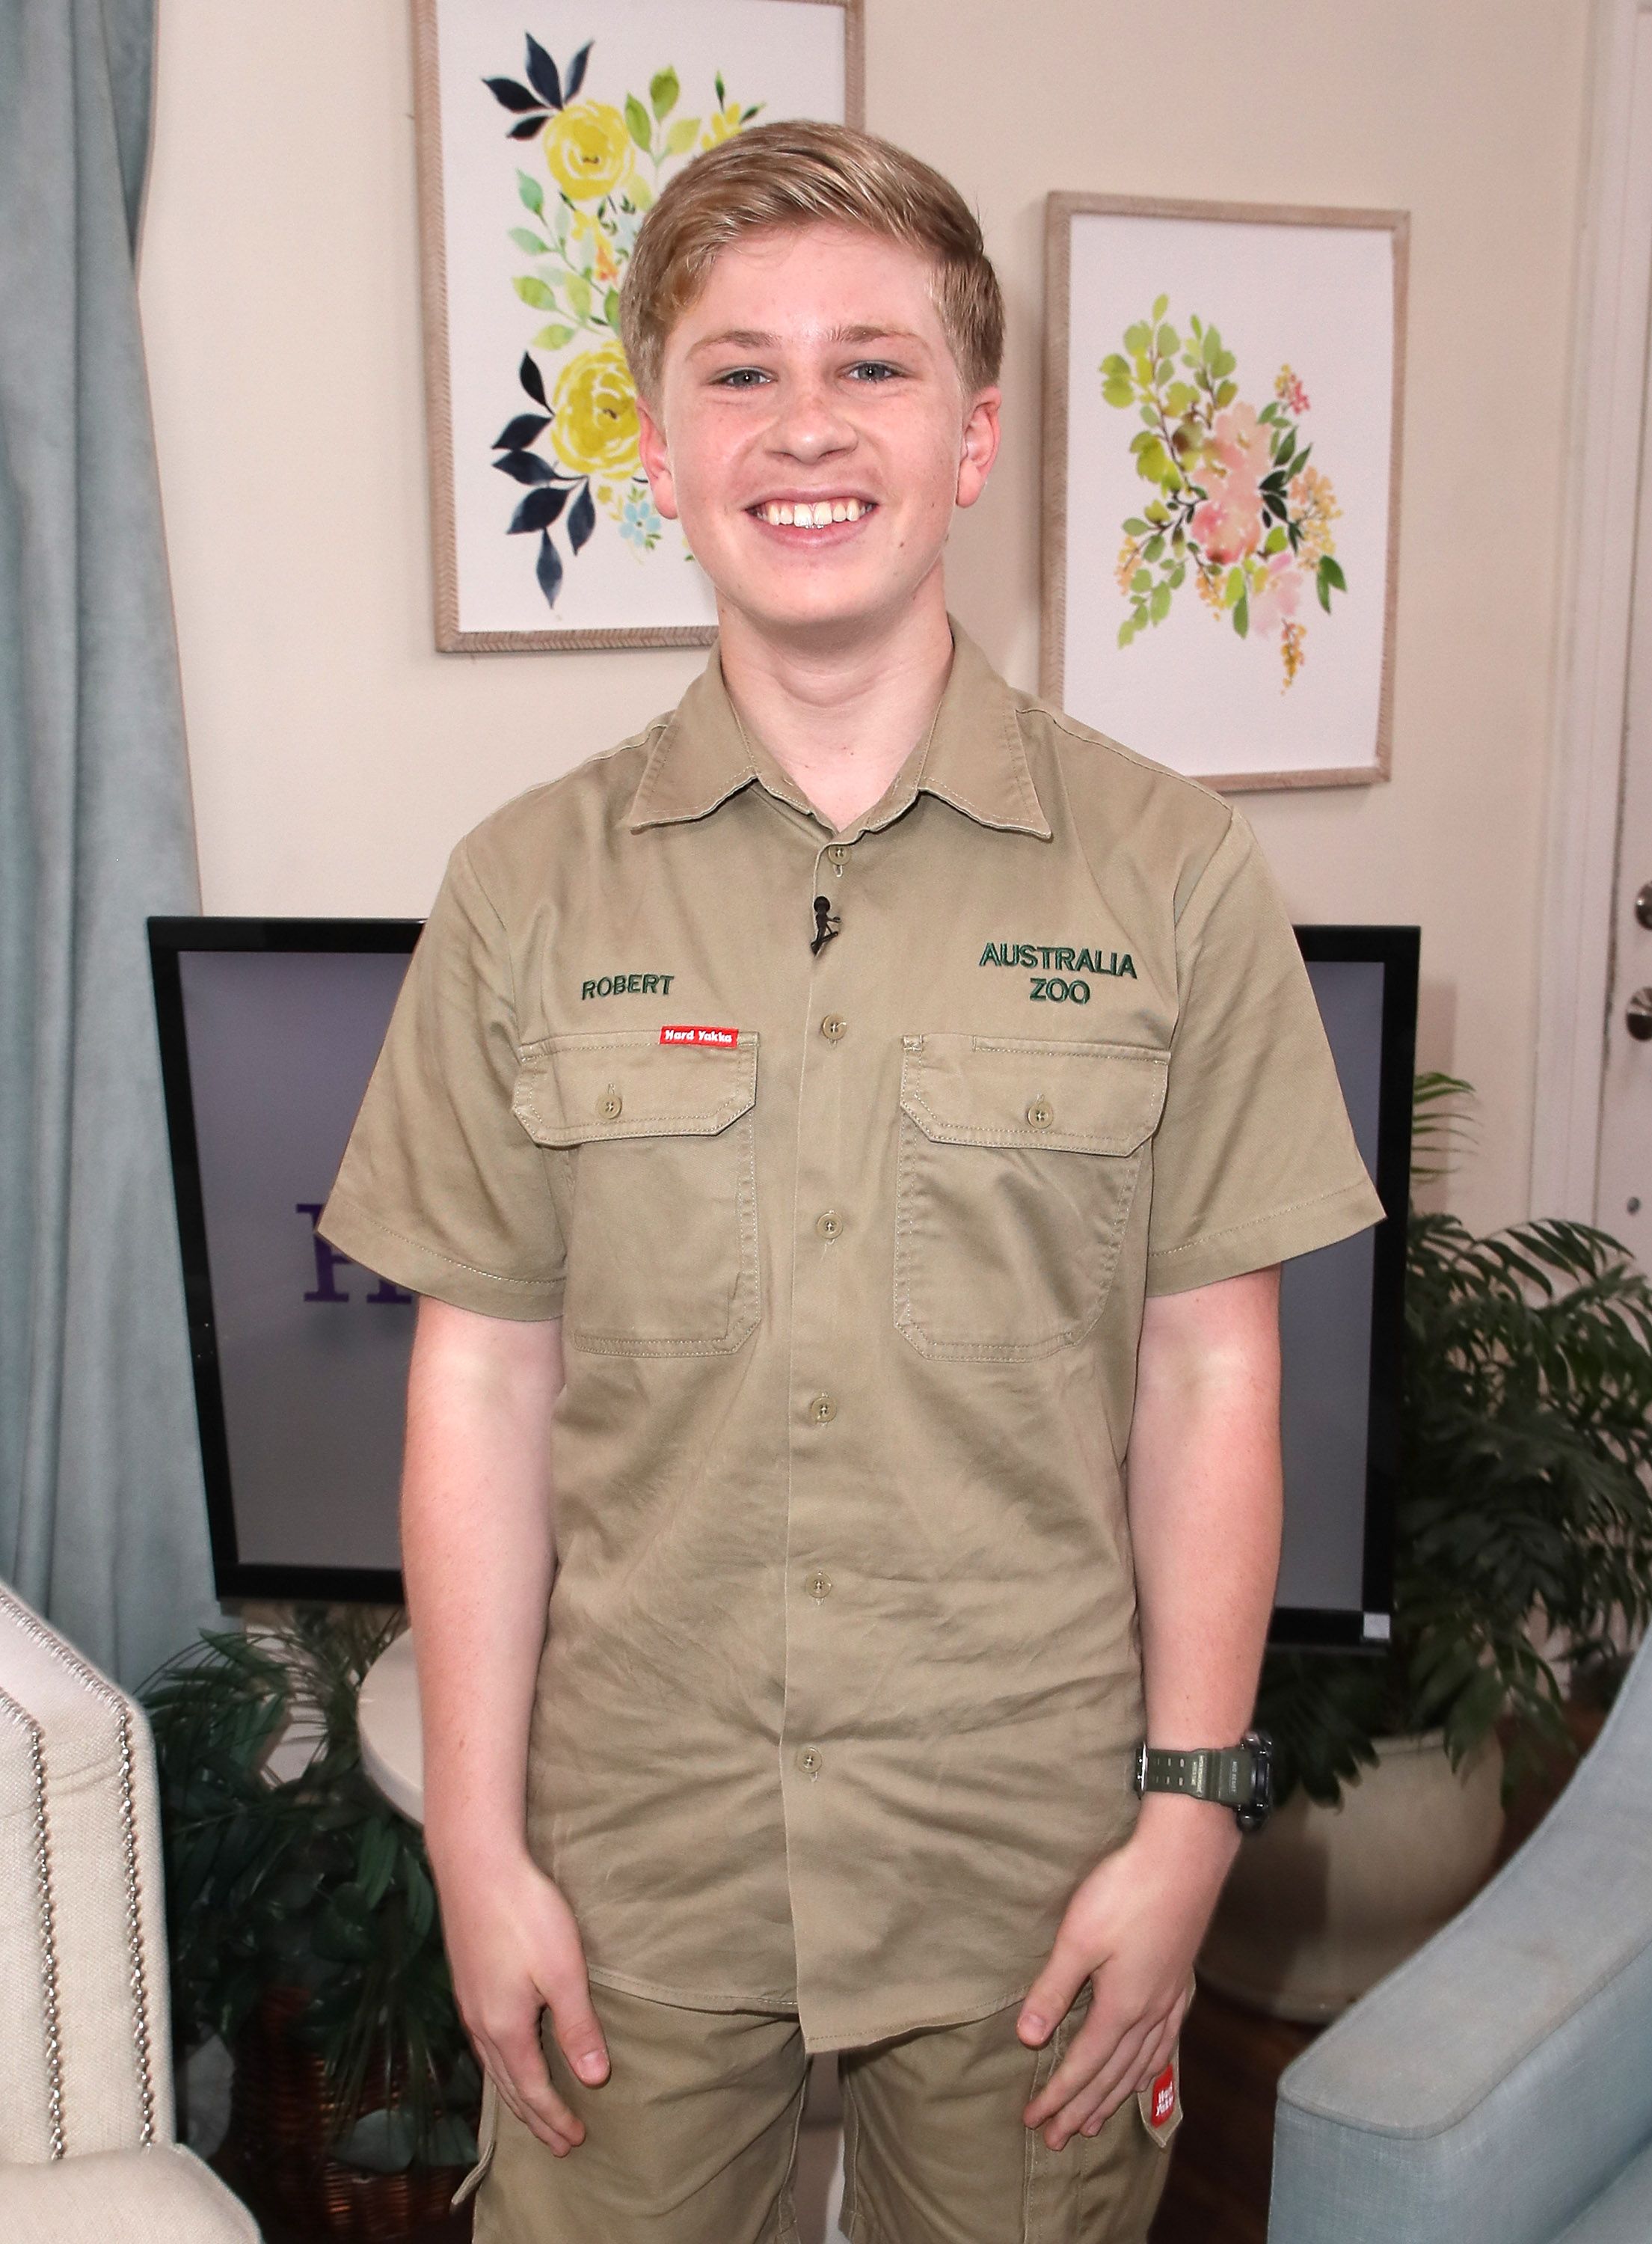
(546, 128)
(1221, 501)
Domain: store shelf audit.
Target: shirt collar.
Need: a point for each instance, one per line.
(972, 756)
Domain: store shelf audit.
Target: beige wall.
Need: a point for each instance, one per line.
(336, 757)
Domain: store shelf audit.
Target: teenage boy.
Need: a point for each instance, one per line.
(828, 1133)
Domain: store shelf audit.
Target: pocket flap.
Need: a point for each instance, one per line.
(1015, 1090)
(608, 1083)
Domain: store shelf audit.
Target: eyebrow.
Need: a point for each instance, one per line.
(758, 339)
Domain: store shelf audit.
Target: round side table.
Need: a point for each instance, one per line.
(387, 1724)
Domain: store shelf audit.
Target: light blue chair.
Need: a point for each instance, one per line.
(1497, 2088)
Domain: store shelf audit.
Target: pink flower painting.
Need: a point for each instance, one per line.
(1234, 502)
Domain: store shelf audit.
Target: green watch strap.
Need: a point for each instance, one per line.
(1222, 1774)
(1239, 1777)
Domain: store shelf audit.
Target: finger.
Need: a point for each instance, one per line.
(1050, 1997)
(1092, 2045)
(1163, 2048)
(522, 2077)
(579, 2035)
(1100, 2096)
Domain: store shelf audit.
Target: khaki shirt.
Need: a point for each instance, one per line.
(850, 1243)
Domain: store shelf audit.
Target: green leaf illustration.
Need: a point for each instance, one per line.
(1153, 549)
(662, 91)
(525, 238)
(610, 309)
(636, 124)
(553, 338)
(1142, 581)
(1242, 617)
(531, 192)
(682, 136)
(1138, 338)
(579, 295)
(1161, 305)
(1126, 631)
(1167, 342)
(1229, 390)
(1119, 393)
(1159, 605)
(1331, 570)
(1135, 527)
(534, 291)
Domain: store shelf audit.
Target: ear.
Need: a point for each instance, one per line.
(979, 447)
(656, 460)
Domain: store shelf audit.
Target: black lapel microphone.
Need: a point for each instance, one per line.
(826, 924)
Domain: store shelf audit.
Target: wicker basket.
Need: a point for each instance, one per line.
(281, 2112)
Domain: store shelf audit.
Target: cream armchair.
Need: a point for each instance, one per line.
(87, 2148)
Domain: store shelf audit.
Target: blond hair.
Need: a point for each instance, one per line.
(797, 174)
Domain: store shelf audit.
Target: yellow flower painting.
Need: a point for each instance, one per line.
(600, 167)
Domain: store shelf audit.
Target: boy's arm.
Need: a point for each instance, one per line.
(478, 1554)
(1205, 1508)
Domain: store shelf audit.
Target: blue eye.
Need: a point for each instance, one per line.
(873, 369)
(741, 377)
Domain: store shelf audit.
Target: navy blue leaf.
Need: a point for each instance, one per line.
(539, 510)
(548, 570)
(582, 519)
(532, 380)
(520, 431)
(577, 71)
(542, 74)
(527, 129)
(509, 95)
(526, 467)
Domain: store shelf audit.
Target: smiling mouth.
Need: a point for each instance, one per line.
(810, 514)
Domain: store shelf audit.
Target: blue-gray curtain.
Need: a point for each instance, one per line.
(102, 1521)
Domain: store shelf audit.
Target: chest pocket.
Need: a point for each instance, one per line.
(660, 1186)
(1018, 1163)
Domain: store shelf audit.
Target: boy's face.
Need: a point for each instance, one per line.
(813, 372)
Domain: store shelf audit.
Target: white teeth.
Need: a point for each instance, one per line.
(782, 514)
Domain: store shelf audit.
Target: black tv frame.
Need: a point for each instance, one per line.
(1397, 949)
(233, 1575)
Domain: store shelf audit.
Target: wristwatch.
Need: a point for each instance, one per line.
(1239, 1777)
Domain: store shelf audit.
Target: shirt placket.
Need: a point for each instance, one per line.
(820, 1576)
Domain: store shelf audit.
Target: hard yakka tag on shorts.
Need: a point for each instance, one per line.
(1160, 2102)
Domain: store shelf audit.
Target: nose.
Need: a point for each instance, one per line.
(809, 422)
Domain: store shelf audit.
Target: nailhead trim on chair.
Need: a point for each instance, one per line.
(32, 1625)
(48, 1943)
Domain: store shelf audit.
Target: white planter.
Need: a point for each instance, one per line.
(1323, 1901)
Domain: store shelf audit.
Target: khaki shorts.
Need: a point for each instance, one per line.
(693, 2139)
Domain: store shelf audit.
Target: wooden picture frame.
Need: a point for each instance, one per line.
(1258, 276)
(590, 136)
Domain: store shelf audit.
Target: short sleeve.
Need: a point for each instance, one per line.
(1254, 1160)
(441, 1188)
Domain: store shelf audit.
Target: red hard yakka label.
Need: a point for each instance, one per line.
(1160, 2103)
(700, 1036)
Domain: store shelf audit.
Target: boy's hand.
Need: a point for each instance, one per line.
(1133, 1929)
(515, 1950)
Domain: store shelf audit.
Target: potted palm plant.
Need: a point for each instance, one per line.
(1523, 1532)
(303, 1929)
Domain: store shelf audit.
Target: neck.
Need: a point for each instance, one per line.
(840, 714)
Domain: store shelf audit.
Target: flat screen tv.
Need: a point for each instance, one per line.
(269, 1029)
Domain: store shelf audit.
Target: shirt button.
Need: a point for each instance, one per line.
(608, 1105)
(832, 1027)
(823, 1410)
(830, 1224)
(820, 1586)
(839, 854)
(1040, 1114)
(809, 1762)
